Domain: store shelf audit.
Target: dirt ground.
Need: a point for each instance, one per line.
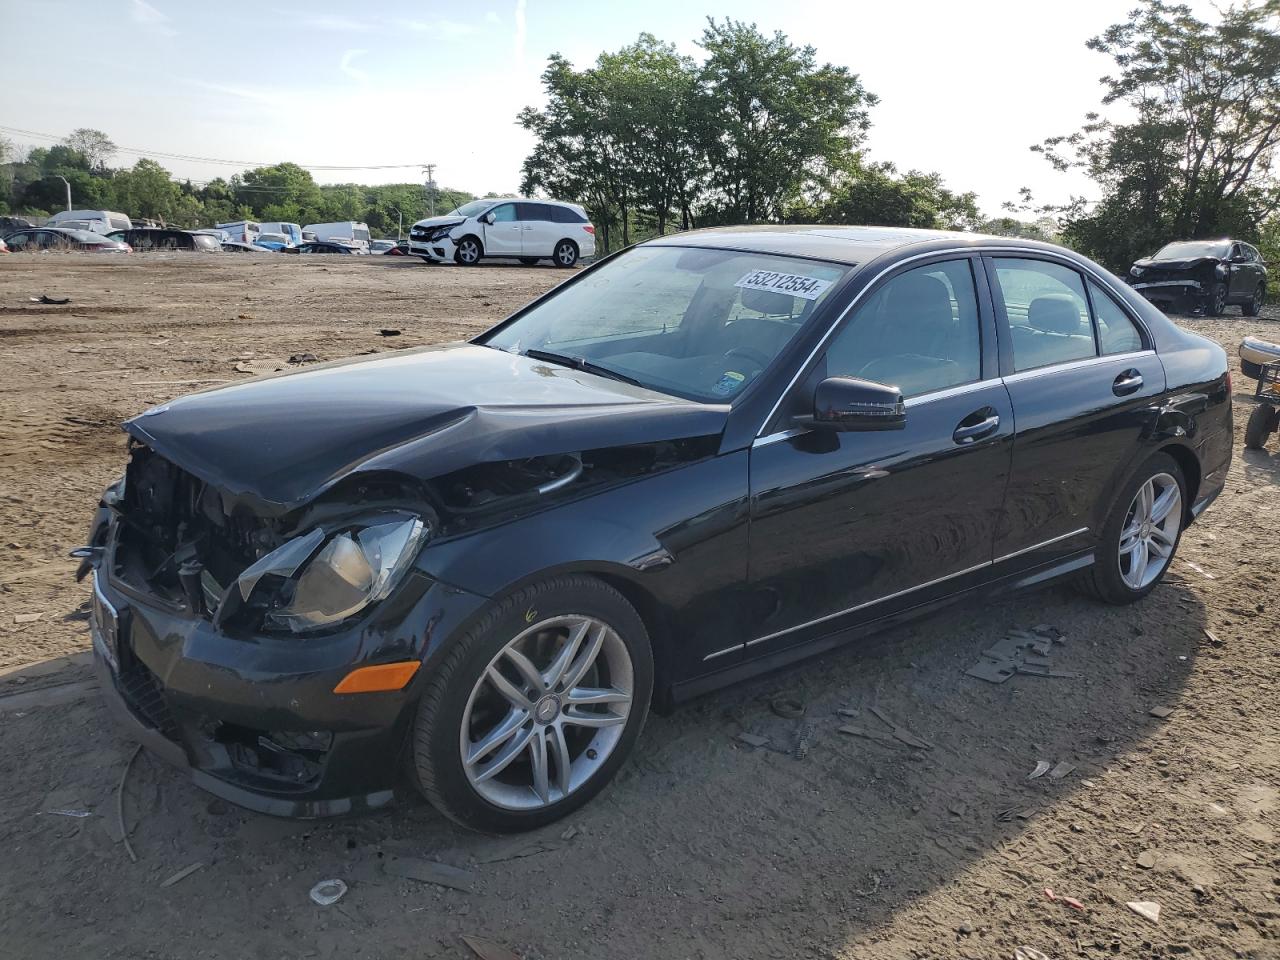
(705, 847)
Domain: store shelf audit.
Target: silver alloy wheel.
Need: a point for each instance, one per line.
(468, 251)
(1219, 299)
(1150, 531)
(566, 254)
(547, 712)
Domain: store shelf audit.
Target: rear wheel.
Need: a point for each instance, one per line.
(566, 253)
(536, 708)
(1254, 306)
(468, 252)
(1262, 423)
(1140, 535)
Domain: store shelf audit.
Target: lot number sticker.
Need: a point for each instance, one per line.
(792, 284)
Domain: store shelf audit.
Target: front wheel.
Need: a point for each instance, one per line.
(1254, 306)
(1140, 535)
(468, 252)
(566, 253)
(1217, 299)
(536, 708)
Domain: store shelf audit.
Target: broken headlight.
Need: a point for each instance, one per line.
(325, 577)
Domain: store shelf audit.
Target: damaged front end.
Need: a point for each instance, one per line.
(1182, 286)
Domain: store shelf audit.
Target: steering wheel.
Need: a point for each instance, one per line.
(758, 357)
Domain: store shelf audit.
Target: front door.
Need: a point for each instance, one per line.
(503, 237)
(852, 526)
(1083, 383)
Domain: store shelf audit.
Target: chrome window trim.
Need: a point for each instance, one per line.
(1075, 365)
(1027, 253)
(919, 400)
(858, 297)
(721, 653)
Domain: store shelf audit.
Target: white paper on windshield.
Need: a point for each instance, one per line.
(791, 284)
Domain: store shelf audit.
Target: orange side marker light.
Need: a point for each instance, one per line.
(382, 676)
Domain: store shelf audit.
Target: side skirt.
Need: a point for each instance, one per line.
(1022, 580)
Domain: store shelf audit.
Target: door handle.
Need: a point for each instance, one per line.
(968, 432)
(1128, 382)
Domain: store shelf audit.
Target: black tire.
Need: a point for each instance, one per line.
(1254, 306)
(1217, 301)
(529, 261)
(1262, 423)
(468, 252)
(437, 762)
(1103, 580)
(565, 254)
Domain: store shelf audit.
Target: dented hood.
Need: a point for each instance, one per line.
(280, 441)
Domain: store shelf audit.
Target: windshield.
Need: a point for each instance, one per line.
(700, 324)
(1186, 249)
(472, 208)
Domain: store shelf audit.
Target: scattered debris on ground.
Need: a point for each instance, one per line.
(1020, 652)
(328, 892)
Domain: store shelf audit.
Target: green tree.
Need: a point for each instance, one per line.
(1194, 157)
(874, 193)
(779, 123)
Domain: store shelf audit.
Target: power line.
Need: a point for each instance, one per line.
(135, 151)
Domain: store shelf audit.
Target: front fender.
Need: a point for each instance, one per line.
(676, 541)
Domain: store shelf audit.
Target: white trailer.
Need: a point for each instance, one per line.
(348, 232)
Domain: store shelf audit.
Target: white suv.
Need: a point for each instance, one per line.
(529, 230)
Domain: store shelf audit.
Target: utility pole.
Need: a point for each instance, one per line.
(429, 188)
(399, 223)
(68, 183)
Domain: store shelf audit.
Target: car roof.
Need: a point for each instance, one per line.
(851, 245)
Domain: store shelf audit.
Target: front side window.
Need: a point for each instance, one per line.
(1116, 332)
(919, 332)
(504, 214)
(1047, 310)
(699, 324)
(18, 241)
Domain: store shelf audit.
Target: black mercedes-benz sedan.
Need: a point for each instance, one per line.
(1203, 276)
(704, 457)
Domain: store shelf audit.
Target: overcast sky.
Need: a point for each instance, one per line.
(965, 88)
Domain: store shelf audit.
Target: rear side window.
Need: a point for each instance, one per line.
(119, 224)
(566, 215)
(1116, 332)
(1047, 310)
(919, 332)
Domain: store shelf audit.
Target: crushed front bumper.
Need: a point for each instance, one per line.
(1172, 293)
(440, 249)
(254, 719)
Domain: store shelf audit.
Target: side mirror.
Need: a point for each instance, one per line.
(487, 218)
(847, 403)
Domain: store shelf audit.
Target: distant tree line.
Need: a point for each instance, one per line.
(284, 191)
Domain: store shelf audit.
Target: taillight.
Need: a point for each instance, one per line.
(590, 229)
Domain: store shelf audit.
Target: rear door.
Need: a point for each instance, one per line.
(1242, 275)
(1085, 386)
(540, 231)
(848, 527)
(504, 237)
